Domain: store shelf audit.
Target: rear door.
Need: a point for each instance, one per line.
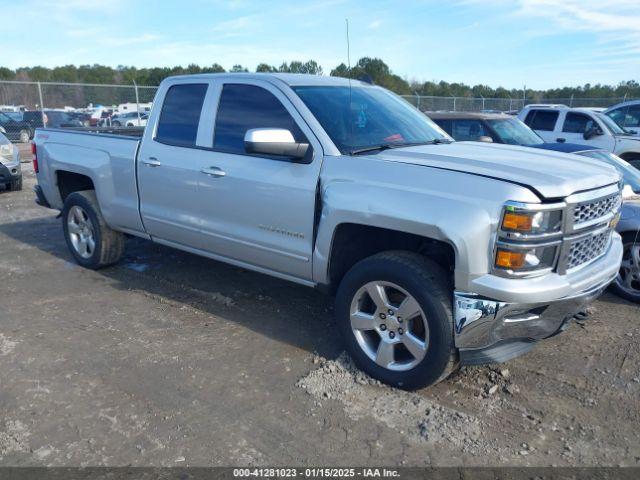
(169, 166)
(256, 208)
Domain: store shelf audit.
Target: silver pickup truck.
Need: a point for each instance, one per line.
(439, 253)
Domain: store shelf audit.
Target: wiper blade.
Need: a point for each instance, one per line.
(388, 146)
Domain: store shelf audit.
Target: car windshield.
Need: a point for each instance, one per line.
(366, 117)
(630, 175)
(611, 125)
(514, 132)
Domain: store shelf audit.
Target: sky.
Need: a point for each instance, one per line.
(540, 43)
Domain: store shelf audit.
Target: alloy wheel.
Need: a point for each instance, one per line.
(389, 325)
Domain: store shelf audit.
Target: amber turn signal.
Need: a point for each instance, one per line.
(517, 221)
(507, 259)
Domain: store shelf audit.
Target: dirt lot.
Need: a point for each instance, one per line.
(171, 359)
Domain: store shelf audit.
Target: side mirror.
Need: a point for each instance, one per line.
(592, 132)
(2, 130)
(274, 141)
(485, 139)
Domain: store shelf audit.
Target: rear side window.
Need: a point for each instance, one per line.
(468, 130)
(180, 115)
(444, 124)
(243, 107)
(577, 123)
(542, 120)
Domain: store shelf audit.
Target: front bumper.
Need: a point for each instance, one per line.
(10, 173)
(497, 330)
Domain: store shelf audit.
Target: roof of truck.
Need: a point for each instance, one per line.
(468, 115)
(292, 79)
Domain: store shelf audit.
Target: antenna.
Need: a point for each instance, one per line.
(346, 20)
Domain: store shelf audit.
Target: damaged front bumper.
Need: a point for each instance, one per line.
(492, 331)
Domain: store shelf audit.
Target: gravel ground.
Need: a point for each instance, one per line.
(171, 359)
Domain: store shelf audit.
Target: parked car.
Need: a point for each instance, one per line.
(82, 117)
(52, 119)
(440, 253)
(486, 127)
(10, 170)
(15, 128)
(100, 116)
(581, 125)
(627, 283)
(129, 119)
(626, 115)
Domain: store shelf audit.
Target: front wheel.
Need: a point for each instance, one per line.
(91, 241)
(627, 283)
(394, 311)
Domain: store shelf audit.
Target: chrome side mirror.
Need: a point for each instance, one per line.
(274, 141)
(485, 139)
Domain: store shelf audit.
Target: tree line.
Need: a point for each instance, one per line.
(372, 69)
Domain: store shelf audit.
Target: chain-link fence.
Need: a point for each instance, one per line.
(25, 106)
(507, 105)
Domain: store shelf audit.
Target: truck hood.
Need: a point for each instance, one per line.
(550, 174)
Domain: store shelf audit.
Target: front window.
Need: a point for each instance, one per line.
(513, 132)
(630, 175)
(362, 117)
(611, 125)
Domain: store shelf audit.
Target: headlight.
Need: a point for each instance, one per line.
(6, 151)
(530, 220)
(529, 238)
(523, 259)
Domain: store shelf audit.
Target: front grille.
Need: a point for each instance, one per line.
(589, 211)
(588, 249)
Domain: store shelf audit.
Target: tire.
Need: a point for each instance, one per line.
(24, 136)
(401, 275)
(82, 220)
(115, 124)
(627, 283)
(15, 186)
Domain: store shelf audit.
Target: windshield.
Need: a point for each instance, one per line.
(611, 125)
(376, 117)
(630, 175)
(514, 132)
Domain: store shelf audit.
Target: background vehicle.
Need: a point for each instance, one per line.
(582, 125)
(626, 115)
(10, 170)
(129, 119)
(52, 118)
(439, 252)
(15, 128)
(82, 117)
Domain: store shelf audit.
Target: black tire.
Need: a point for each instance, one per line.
(428, 283)
(116, 123)
(109, 244)
(632, 294)
(15, 186)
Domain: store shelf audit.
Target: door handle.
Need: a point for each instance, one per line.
(561, 140)
(151, 162)
(214, 171)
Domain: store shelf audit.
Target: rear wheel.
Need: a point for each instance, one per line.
(394, 310)
(15, 186)
(627, 283)
(91, 242)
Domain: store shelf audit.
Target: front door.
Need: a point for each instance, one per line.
(256, 208)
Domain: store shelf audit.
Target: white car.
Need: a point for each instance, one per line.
(129, 119)
(627, 115)
(560, 124)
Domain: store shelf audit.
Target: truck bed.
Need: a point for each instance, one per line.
(119, 131)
